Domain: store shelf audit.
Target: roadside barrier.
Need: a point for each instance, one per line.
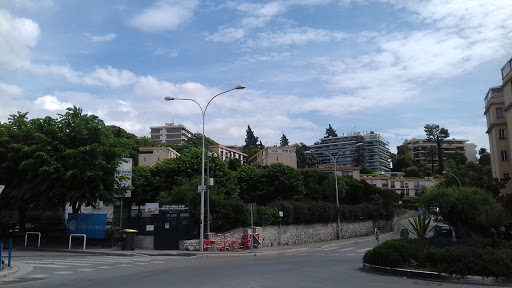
(38, 240)
(77, 235)
(229, 241)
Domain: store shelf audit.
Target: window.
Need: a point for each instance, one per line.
(499, 112)
(506, 175)
(392, 184)
(144, 159)
(504, 155)
(502, 133)
(158, 160)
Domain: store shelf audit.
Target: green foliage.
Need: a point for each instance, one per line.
(264, 216)
(403, 158)
(229, 215)
(420, 226)
(284, 141)
(305, 159)
(194, 141)
(464, 209)
(485, 159)
(437, 134)
(412, 172)
(143, 190)
(330, 132)
(395, 253)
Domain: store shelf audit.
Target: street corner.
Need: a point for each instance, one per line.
(16, 269)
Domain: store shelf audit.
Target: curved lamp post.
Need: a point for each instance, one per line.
(202, 188)
(445, 172)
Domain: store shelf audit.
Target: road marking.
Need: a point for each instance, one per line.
(341, 250)
(48, 265)
(351, 254)
(141, 263)
(38, 276)
(104, 267)
(64, 262)
(363, 250)
(86, 269)
(156, 262)
(62, 272)
(327, 249)
(124, 265)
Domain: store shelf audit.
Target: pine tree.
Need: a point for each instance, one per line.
(284, 141)
(330, 132)
(250, 139)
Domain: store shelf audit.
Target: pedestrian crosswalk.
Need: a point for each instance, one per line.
(337, 250)
(70, 265)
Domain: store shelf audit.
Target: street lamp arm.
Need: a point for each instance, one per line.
(238, 87)
(186, 99)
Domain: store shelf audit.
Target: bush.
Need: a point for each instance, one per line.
(264, 216)
(395, 253)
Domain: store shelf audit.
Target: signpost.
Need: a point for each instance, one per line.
(124, 170)
(251, 207)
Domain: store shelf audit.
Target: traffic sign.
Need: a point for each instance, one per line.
(201, 188)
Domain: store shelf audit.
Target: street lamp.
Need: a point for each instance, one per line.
(334, 159)
(202, 187)
(446, 172)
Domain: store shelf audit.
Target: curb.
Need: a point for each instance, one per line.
(11, 271)
(432, 276)
(109, 253)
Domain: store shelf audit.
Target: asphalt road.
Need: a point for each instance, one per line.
(327, 266)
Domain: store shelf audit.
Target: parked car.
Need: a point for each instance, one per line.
(443, 231)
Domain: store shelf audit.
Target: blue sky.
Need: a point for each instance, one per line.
(387, 66)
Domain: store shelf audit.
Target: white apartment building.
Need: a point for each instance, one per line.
(170, 133)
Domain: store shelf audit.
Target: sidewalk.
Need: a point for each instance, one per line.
(261, 251)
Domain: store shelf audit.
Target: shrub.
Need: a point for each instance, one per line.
(264, 216)
(395, 253)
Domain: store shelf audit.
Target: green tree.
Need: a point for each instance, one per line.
(403, 158)
(412, 172)
(305, 159)
(485, 159)
(284, 141)
(330, 132)
(143, 190)
(437, 134)
(250, 139)
(482, 150)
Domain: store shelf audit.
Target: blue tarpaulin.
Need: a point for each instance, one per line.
(92, 225)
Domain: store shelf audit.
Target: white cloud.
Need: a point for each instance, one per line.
(110, 77)
(51, 103)
(165, 15)
(10, 90)
(17, 36)
(296, 37)
(167, 53)
(227, 35)
(101, 38)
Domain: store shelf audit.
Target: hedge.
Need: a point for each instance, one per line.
(451, 259)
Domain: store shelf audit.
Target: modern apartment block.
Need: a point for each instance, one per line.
(411, 187)
(376, 150)
(420, 149)
(170, 133)
(226, 153)
(149, 156)
(498, 113)
(269, 155)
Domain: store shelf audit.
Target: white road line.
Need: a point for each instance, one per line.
(48, 265)
(156, 262)
(62, 272)
(124, 265)
(341, 250)
(38, 276)
(145, 263)
(64, 262)
(351, 254)
(363, 250)
(104, 267)
(327, 249)
(86, 269)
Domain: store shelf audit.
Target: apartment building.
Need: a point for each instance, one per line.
(170, 133)
(498, 113)
(420, 149)
(286, 155)
(411, 187)
(376, 150)
(226, 153)
(149, 156)
(349, 172)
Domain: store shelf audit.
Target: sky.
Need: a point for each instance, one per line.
(388, 66)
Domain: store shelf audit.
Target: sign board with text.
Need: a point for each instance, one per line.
(92, 225)
(125, 170)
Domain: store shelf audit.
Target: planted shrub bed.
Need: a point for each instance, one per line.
(450, 259)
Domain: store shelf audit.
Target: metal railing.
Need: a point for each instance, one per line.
(38, 241)
(77, 235)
